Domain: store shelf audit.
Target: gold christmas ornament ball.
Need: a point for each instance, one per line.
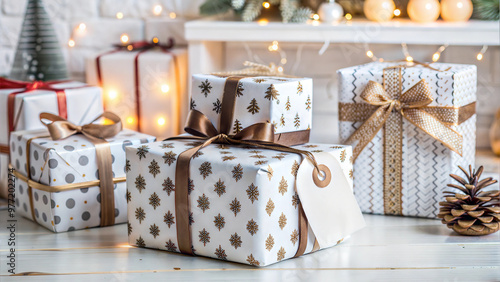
(379, 10)
(456, 10)
(423, 11)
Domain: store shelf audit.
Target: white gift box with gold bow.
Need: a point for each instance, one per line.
(411, 126)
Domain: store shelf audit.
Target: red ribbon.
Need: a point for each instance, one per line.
(141, 46)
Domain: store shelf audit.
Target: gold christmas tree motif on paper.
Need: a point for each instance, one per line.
(190, 186)
(205, 87)
(140, 183)
(296, 121)
(343, 155)
(308, 103)
(169, 157)
(168, 185)
(140, 214)
(259, 80)
(219, 221)
(252, 261)
(139, 242)
(252, 227)
(220, 188)
(237, 172)
(270, 172)
(282, 120)
(279, 157)
(282, 221)
(128, 196)
(127, 165)
(288, 105)
(171, 247)
(235, 240)
(228, 158)
(283, 186)
(272, 94)
(142, 151)
(205, 169)
(253, 107)
(260, 162)
(295, 201)
(203, 203)
(316, 151)
(154, 230)
(169, 219)
(237, 126)
(294, 237)
(257, 156)
(300, 89)
(167, 145)
(314, 146)
(154, 168)
(270, 207)
(351, 174)
(295, 168)
(129, 228)
(235, 206)
(220, 253)
(217, 106)
(281, 254)
(255, 151)
(253, 193)
(192, 104)
(239, 90)
(204, 237)
(154, 200)
(275, 126)
(269, 242)
(197, 154)
(333, 147)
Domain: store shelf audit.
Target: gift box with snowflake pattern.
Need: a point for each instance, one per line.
(62, 162)
(243, 202)
(285, 102)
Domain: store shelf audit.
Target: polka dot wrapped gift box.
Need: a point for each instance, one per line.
(56, 167)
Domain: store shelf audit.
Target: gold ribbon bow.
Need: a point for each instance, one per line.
(411, 106)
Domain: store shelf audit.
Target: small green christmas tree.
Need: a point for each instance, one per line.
(38, 55)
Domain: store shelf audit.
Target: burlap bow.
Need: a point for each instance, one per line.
(411, 105)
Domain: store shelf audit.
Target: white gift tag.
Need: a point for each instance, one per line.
(332, 211)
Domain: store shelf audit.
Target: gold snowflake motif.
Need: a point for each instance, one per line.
(228, 158)
(197, 154)
(260, 162)
(343, 156)
(139, 242)
(254, 151)
(129, 196)
(281, 254)
(317, 151)
(203, 203)
(225, 152)
(129, 228)
(219, 221)
(191, 219)
(294, 237)
(253, 193)
(205, 87)
(217, 106)
(140, 214)
(154, 230)
(259, 80)
(300, 89)
(252, 261)
(192, 104)
(235, 240)
(237, 172)
(190, 186)
(239, 90)
(295, 168)
(194, 144)
(272, 94)
(140, 183)
(351, 175)
(220, 188)
(167, 145)
(269, 207)
(335, 147)
(235, 206)
(168, 185)
(283, 187)
(154, 200)
(205, 169)
(311, 146)
(295, 201)
(127, 165)
(154, 168)
(169, 157)
(269, 242)
(257, 156)
(279, 157)
(270, 172)
(220, 253)
(252, 227)
(142, 151)
(169, 219)
(171, 247)
(282, 221)
(204, 237)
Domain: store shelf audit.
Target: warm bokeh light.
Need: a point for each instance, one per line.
(155, 40)
(71, 43)
(315, 17)
(165, 88)
(130, 120)
(161, 121)
(479, 56)
(460, 5)
(172, 15)
(266, 5)
(409, 59)
(283, 61)
(280, 69)
(369, 54)
(274, 46)
(263, 22)
(112, 94)
(348, 16)
(130, 47)
(157, 10)
(119, 15)
(435, 57)
(397, 12)
(124, 38)
(82, 27)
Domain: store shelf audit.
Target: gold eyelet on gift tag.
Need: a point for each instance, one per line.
(322, 183)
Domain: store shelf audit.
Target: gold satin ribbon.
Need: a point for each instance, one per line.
(59, 128)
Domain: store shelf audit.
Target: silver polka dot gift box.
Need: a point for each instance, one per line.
(57, 167)
(243, 205)
(411, 126)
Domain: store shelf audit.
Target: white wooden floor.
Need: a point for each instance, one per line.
(389, 248)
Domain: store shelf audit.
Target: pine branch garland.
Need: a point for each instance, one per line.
(252, 10)
(486, 9)
(238, 4)
(301, 15)
(214, 7)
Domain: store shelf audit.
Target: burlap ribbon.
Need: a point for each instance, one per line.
(141, 47)
(386, 107)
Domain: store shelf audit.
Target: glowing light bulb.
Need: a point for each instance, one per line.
(112, 94)
(283, 61)
(172, 15)
(397, 12)
(130, 47)
(409, 59)
(155, 40)
(157, 10)
(82, 27)
(369, 54)
(428, 6)
(460, 5)
(71, 43)
(119, 15)
(130, 120)
(435, 57)
(124, 38)
(479, 56)
(266, 5)
(315, 17)
(348, 16)
(165, 88)
(263, 22)
(280, 69)
(161, 121)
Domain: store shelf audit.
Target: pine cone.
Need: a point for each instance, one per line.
(471, 211)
